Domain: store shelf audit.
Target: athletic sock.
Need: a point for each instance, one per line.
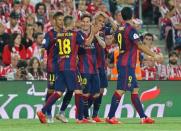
(79, 106)
(66, 100)
(86, 108)
(137, 104)
(97, 103)
(51, 100)
(114, 104)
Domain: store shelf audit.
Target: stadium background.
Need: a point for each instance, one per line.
(15, 102)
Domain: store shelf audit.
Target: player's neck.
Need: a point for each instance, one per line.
(58, 29)
(87, 32)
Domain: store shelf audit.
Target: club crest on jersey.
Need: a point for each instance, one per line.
(135, 36)
(91, 46)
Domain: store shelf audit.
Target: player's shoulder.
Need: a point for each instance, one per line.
(49, 33)
(132, 32)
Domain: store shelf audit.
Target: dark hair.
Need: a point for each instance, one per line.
(57, 14)
(150, 35)
(67, 20)
(40, 24)
(37, 34)
(38, 5)
(126, 13)
(86, 16)
(173, 53)
(21, 64)
(11, 41)
(30, 69)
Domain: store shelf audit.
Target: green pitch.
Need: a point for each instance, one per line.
(162, 124)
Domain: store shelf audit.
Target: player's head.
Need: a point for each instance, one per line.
(68, 22)
(148, 39)
(58, 19)
(173, 57)
(127, 13)
(118, 16)
(86, 20)
(109, 36)
(99, 21)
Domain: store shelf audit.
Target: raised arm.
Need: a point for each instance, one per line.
(100, 41)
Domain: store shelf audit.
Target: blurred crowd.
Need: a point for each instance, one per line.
(23, 24)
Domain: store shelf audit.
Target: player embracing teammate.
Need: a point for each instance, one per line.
(82, 52)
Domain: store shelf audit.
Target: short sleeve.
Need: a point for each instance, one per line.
(134, 36)
(46, 41)
(80, 38)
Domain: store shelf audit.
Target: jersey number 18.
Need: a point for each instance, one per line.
(64, 47)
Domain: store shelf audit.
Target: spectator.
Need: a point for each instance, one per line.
(30, 19)
(14, 47)
(40, 10)
(21, 72)
(35, 69)
(49, 25)
(12, 67)
(167, 10)
(93, 7)
(38, 27)
(36, 49)
(12, 26)
(176, 22)
(81, 9)
(173, 68)
(149, 67)
(118, 17)
(4, 37)
(28, 39)
(5, 8)
(68, 7)
(16, 7)
(27, 8)
(103, 8)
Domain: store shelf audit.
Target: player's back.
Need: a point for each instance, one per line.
(67, 50)
(127, 39)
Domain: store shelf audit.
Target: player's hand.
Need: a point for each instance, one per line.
(157, 57)
(97, 34)
(95, 29)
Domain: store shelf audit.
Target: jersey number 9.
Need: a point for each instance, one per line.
(120, 42)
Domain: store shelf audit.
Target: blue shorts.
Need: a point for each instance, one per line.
(65, 80)
(103, 78)
(51, 80)
(79, 83)
(126, 78)
(91, 82)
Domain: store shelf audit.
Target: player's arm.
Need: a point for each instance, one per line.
(136, 40)
(111, 20)
(145, 49)
(90, 38)
(46, 41)
(100, 40)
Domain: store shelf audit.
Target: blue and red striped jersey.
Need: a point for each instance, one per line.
(49, 44)
(100, 56)
(87, 58)
(67, 46)
(127, 39)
